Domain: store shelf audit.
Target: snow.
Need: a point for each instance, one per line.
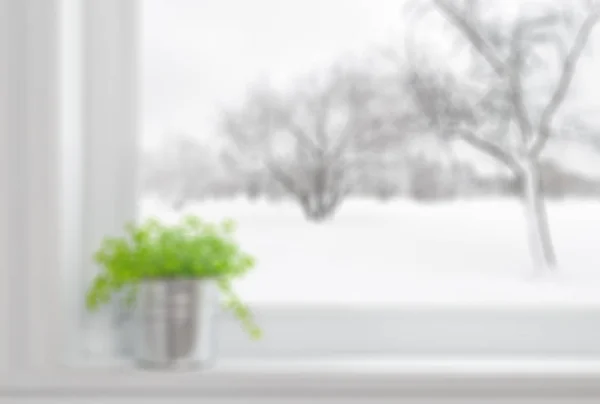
(401, 252)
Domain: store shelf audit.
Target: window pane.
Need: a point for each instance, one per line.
(382, 152)
(292, 118)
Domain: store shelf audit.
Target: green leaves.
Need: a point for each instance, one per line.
(239, 309)
(190, 248)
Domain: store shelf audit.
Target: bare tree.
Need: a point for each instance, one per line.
(315, 138)
(503, 113)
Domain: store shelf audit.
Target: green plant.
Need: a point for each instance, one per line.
(190, 248)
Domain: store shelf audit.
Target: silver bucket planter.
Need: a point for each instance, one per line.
(175, 324)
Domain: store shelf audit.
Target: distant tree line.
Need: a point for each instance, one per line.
(210, 176)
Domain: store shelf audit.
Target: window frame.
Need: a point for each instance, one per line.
(44, 199)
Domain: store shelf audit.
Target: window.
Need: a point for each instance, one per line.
(443, 276)
(380, 189)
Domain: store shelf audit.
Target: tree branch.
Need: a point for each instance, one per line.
(472, 34)
(517, 65)
(303, 139)
(490, 149)
(286, 122)
(288, 182)
(566, 78)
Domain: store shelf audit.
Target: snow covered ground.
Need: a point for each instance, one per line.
(467, 252)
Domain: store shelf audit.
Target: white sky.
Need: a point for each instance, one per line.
(199, 54)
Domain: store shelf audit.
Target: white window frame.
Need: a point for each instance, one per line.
(68, 180)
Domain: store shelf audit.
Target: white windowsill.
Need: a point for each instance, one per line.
(339, 378)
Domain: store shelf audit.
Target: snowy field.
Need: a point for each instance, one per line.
(407, 253)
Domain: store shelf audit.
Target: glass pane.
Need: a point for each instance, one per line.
(382, 152)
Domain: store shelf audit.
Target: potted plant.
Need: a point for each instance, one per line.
(168, 273)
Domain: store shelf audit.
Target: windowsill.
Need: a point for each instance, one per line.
(339, 378)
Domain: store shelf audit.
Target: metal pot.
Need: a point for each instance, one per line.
(175, 323)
